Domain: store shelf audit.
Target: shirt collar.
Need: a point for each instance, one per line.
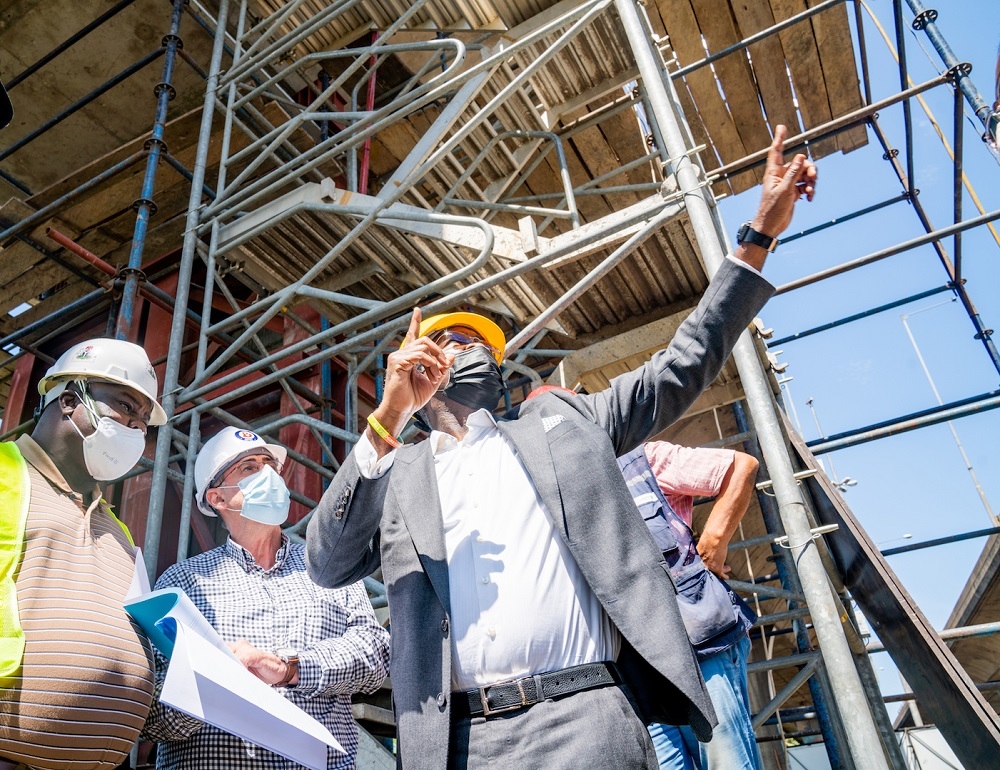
(245, 559)
(479, 423)
(32, 451)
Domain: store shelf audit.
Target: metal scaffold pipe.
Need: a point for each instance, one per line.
(144, 205)
(926, 19)
(158, 487)
(863, 740)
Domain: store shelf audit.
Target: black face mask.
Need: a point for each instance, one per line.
(474, 379)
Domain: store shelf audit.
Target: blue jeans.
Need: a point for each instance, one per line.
(733, 746)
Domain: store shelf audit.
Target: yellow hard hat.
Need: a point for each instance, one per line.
(488, 330)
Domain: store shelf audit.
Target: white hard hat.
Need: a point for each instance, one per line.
(102, 359)
(221, 451)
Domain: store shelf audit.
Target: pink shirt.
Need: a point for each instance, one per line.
(684, 473)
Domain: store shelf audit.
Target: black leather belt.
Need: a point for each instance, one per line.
(529, 690)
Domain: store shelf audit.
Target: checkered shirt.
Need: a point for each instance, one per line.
(342, 650)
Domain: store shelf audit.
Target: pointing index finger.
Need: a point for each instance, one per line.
(414, 331)
(775, 155)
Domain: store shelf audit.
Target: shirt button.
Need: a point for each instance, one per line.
(441, 700)
(444, 626)
(492, 633)
(486, 580)
(480, 539)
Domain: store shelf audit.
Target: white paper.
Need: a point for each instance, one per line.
(206, 684)
(140, 578)
(160, 613)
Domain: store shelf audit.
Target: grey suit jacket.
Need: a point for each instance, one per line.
(568, 446)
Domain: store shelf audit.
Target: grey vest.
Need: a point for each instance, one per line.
(715, 618)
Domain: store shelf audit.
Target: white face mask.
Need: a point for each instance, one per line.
(265, 497)
(113, 449)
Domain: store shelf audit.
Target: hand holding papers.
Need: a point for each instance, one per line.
(206, 681)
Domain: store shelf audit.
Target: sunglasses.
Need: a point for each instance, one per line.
(462, 339)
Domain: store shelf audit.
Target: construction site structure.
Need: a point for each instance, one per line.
(315, 169)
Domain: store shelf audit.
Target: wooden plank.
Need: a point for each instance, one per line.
(595, 305)
(15, 210)
(16, 260)
(600, 157)
(397, 139)
(664, 271)
(545, 179)
(768, 61)
(719, 30)
(49, 305)
(836, 52)
(679, 253)
(682, 26)
(642, 279)
(615, 290)
(709, 156)
(44, 275)
(623, 133)
(799, 45)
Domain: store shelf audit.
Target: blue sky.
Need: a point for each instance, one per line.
(866, 372)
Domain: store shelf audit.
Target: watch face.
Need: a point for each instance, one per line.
(286, 653)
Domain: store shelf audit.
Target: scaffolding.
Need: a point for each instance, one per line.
(554, 165)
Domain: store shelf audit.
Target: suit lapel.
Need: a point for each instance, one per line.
(414, 485)
(527, 435)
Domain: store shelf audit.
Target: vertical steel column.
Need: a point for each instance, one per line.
(819, 682)
(904, 83)
(862, 735)
(926, 19)
(154, 522)
(326, 391)
(144, 205)
(366, 147)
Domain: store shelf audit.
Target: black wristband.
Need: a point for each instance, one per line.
(747, 234)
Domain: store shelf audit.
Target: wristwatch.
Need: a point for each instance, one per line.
(291, 657)
(747, 234)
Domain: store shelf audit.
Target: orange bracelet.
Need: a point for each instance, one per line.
(385, 435)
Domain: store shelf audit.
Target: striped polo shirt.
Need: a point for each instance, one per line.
(86, 683)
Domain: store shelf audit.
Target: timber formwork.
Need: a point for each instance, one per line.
(554, 165)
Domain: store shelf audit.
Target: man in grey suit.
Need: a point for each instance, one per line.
(529, 627)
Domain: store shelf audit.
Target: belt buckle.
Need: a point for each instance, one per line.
(487, 711)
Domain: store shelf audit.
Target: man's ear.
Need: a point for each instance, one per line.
(67, 401)
(215, 499)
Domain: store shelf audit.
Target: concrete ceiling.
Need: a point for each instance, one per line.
(30, 29)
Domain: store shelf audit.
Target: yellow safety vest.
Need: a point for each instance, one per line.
(15, 494)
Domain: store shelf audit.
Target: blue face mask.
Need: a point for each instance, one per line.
(265, 497)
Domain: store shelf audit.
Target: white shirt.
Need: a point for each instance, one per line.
(519, 604)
